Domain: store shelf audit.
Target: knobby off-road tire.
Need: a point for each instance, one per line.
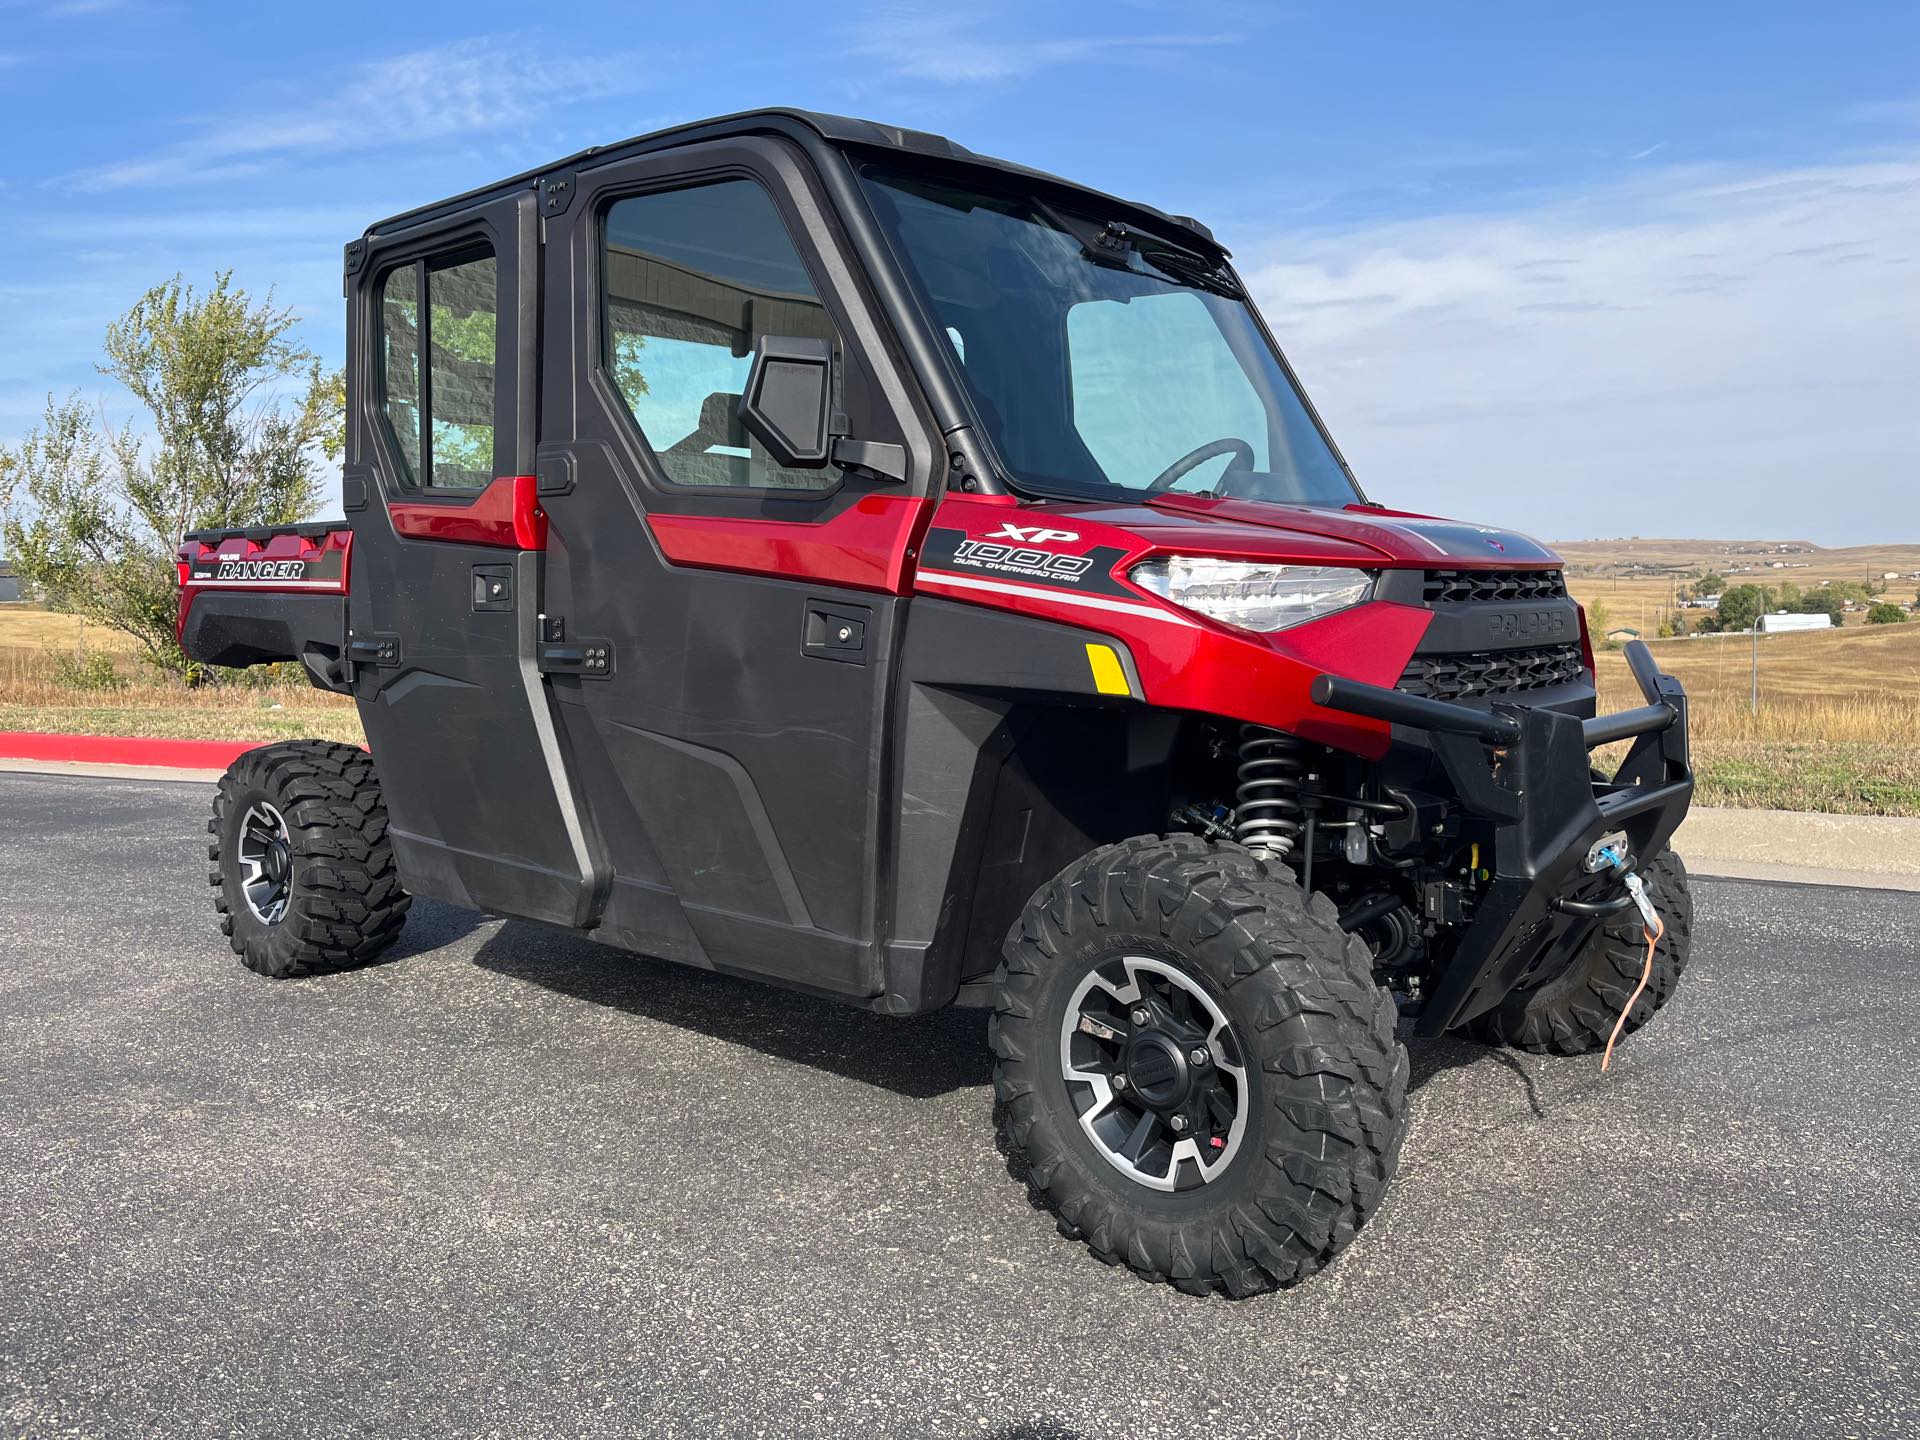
(1574, 1012)
(303, 875)
(1325, 1080)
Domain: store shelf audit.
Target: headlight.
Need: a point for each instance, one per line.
(1254, 597)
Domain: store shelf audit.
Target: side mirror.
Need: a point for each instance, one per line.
(785, 403)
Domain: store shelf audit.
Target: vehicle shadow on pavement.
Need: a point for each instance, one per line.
(921, 1057)
(1431, 1058)
(431, 925)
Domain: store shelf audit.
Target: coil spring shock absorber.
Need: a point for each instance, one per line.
(1266, 810)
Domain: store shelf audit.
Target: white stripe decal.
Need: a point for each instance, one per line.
(265, 585)
(1058, 596)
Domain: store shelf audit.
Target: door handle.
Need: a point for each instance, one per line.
(836, 631)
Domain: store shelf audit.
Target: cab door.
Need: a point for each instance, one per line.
(445, 581)
(720, 628)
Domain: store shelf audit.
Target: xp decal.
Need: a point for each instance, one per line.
(1034, 534)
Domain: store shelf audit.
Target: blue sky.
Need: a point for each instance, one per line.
(1620, 269)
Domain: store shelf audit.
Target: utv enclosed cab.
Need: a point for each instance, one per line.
(808, 549)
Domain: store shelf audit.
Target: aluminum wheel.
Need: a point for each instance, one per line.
(1155, 1072)
(265, 852)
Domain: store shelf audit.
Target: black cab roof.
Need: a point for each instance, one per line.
(834, 129)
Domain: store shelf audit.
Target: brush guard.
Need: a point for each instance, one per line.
(1527, 774)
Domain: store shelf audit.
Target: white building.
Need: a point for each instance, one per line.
(1780, 620)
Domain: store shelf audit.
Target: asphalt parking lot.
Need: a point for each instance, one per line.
(511, 1183)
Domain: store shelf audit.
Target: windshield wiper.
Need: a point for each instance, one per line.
(1115, 246)
(1191, 269)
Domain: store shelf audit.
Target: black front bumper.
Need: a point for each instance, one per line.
(1526, 774)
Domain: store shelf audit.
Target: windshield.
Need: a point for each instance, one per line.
(1102, 358)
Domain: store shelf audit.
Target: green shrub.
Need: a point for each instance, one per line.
(89, 670)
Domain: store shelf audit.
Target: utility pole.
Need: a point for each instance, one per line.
(1754, 702)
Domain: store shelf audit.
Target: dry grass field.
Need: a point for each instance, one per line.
(1636, 580)
(39, 690)
(1838, 727)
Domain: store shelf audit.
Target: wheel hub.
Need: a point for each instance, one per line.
(264, 852)
(1155, 1071)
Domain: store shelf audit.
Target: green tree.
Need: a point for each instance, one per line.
(1598, 618)
(1712, 582)
(1741, 607)
(1822, 600)
(1886, 615)
(239, 418)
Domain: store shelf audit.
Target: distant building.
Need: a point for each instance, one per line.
(9, 586)
(1623, 632)
(1780, 620)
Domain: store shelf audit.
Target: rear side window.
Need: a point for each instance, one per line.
(695, 278)
(441, 412)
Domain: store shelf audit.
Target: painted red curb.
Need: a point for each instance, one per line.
(121, 750)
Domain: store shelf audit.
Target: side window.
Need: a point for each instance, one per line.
(441, 413)
(694, 279)
(1154, 379)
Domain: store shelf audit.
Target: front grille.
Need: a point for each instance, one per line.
(1491, 672)
(1459, 587)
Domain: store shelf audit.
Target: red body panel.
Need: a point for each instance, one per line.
(1186, 661)
(1404, 538)
(867, 546)
(283, 564)
(507, 514)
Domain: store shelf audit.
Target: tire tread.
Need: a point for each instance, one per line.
(1322, 1034)
(348, 904)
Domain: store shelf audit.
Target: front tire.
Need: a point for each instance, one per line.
(303, 875)
(1247, 1165)
(1573, 1013)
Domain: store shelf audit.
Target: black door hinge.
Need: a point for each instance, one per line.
(380, 650)
(592, 659)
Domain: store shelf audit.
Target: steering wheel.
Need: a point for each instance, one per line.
(1241, 451)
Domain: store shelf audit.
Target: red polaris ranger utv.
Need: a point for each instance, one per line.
(806, 549)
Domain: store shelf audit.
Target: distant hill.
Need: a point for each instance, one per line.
(1798, 560)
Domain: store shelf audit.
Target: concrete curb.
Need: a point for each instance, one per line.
(18, 765)
(1875, 851)
(121, 750)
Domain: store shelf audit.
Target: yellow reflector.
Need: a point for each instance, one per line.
(1109, 676)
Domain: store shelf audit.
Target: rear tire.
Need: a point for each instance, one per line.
(304, 878)
(1574, 1013)
(1302, 1041)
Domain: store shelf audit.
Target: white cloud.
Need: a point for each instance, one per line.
(1693, 352)
(971, 49)
(488, 83)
